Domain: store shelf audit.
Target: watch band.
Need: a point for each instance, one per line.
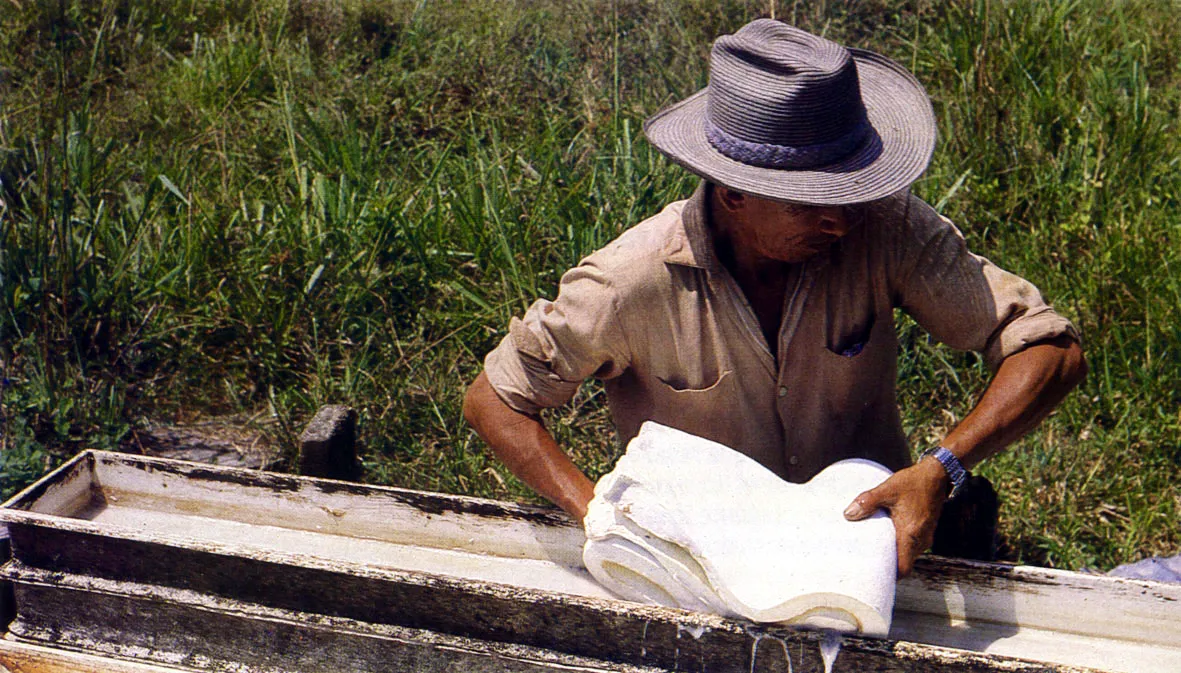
(952, 465)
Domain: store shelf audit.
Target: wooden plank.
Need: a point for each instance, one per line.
(62, 492)
(327, 507)
(1022, 597)
(404, 558)
(18, 657)
(196, 632)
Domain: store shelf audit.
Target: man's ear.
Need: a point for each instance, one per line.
(729, 199)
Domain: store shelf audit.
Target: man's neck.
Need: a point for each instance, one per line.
(744, 264)
(763, 281)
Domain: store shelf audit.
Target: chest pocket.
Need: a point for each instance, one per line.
(850, 305)
(688, 383)
(849, 336)
(700, 411)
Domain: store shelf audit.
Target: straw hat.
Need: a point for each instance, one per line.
(791, 116)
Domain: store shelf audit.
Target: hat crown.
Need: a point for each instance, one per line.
(773, 84)
(790, 116)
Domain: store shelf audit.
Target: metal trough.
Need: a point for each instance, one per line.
(205, 568)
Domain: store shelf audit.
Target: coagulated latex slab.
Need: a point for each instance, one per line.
(686, 522)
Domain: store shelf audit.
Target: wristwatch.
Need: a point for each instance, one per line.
(952, 465)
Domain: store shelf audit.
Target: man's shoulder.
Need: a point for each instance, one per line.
(894, 210)
(904, 220)
(642, 250)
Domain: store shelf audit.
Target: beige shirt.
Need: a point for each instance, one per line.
(663, 324)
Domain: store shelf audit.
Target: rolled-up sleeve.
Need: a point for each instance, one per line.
(558, 344)
(963, 299)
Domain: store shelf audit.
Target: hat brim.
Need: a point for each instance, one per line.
(891, 159)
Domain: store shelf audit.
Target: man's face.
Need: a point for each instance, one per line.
(786, 232)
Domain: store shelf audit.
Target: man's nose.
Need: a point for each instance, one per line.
(833, 220)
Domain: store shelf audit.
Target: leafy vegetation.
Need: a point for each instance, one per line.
(223, 206)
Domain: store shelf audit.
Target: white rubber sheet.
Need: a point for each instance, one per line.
(686, 522)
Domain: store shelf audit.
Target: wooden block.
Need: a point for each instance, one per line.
(328, 444)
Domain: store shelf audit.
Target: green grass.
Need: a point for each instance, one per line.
(226, 206)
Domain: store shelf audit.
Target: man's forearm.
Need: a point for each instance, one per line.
(529, 451)
(1026, 388)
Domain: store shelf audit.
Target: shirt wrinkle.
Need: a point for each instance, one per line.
(797, 301)
(743, 316)
(618, 323)
(928, 244)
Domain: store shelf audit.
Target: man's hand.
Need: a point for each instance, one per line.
(914, 498)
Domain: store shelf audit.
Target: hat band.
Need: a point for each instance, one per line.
(768, 155)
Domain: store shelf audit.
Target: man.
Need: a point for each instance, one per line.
(759, 312)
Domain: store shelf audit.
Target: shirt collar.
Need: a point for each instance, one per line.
(692, 243)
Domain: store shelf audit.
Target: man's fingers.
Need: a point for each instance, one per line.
(905, 564)
(911, 510)
(908, 550)
(865, 504)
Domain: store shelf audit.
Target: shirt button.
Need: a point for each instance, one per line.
(782, 391)
(794, 460)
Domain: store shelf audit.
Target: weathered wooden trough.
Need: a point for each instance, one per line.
(174, 564)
